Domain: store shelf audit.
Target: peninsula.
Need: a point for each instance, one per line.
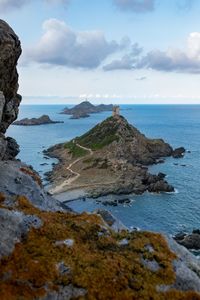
(85, 108)
(111, 158)
(36, 121)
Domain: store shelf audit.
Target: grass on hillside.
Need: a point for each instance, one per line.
(100, 136)
(75, 150)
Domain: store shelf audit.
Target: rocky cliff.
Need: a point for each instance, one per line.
(10, 50)
(50, 253)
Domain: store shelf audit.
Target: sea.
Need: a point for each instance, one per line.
(179, 125)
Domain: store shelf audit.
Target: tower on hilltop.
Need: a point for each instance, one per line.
(116, 110)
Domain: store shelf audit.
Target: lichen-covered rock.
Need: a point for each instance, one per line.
(100, 264)
(10, 50)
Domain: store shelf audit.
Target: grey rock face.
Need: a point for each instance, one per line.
(13, 181)
(10, 50)
(186, 267)
(2, 103)
(13, 226)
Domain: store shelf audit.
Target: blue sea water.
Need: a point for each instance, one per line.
(177, 125)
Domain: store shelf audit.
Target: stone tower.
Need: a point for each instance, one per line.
(116, 110)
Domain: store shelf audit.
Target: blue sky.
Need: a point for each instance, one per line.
(130, 51)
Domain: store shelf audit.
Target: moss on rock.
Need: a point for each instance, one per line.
(96, 260)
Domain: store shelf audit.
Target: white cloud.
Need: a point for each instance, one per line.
(187, 61)
(171, 60)
(60, 45)
(127, 62)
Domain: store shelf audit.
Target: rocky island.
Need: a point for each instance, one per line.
(111, 158)
(36, 121)
(85, 108)
(49, 252)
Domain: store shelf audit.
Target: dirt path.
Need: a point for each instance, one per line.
(59, 188)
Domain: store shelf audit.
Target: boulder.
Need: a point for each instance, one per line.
(189, 241)
(178, 152)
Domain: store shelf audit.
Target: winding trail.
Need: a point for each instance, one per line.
(59, 188)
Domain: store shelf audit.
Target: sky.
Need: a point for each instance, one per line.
(119, 51)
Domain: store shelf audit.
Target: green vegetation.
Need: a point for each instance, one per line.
(101, 135)
(75, 150)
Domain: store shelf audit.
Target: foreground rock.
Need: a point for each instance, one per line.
(111, 158)
(36, 121)
(57, 255)
(85, 108)
(10, 50)
(190, 241)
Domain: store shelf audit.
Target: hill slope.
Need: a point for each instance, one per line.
(110, 158)
(125, 141)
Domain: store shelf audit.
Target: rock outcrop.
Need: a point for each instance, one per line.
(85, 108)
(190, 241)
(178, 152)
(44, 119)
(10, 50)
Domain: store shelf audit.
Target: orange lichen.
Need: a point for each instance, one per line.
(96, 261)
(2, 198)
(35, 177)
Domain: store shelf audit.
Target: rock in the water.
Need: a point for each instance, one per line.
(83, 109)
(178, 152)
(160, 186)
(36, 121)
(190, 241)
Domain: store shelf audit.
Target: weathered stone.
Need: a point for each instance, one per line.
(10, 50)
(14, 225)
(17, 179)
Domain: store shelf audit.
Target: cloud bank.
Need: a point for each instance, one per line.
(171, 60)
(60, 45)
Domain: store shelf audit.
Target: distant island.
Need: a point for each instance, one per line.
(111, 158)
(85, 108)
(36, 121)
